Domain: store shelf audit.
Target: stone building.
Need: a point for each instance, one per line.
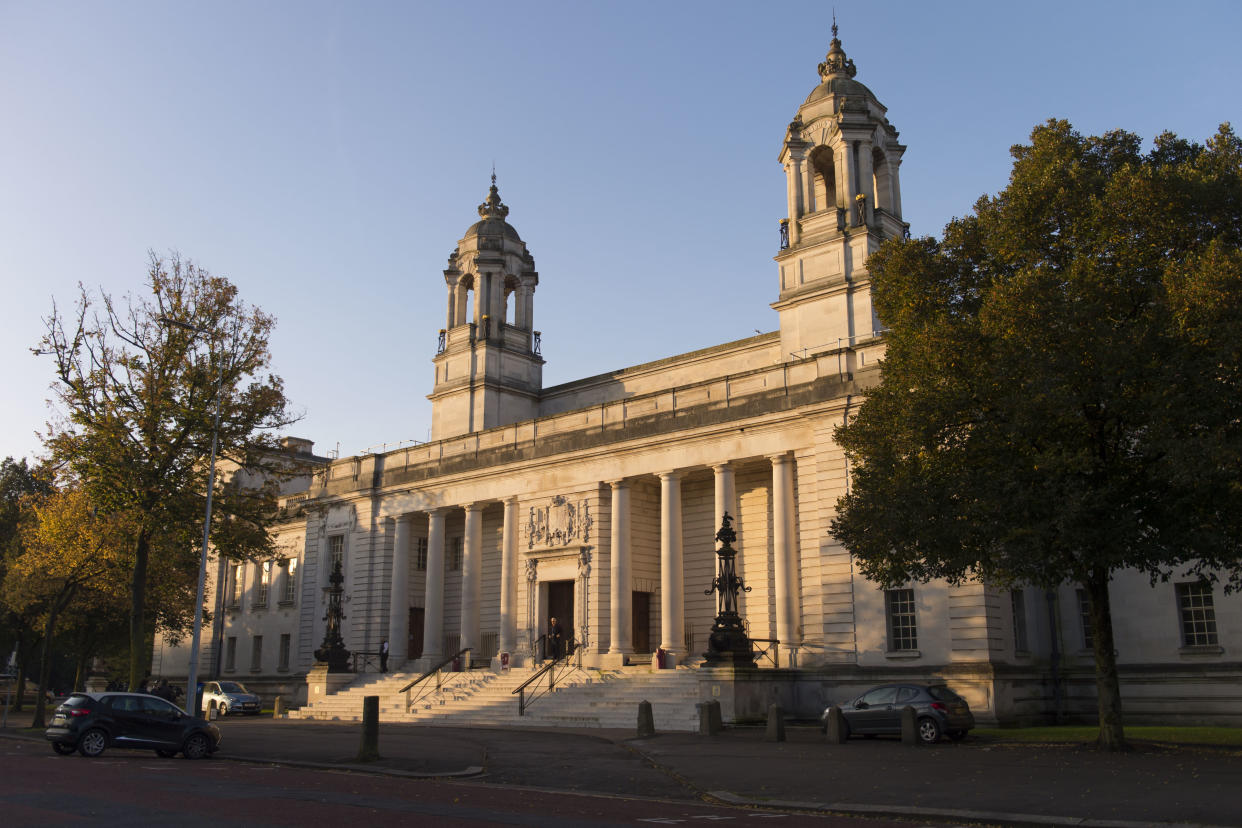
(596, 501)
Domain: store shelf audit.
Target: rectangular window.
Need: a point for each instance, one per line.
(420, 555)
(285, 639)
(454, 555)
(1084, 616)
(230, 654)
(902, 629)
(336, 554)
(1017, 599)
(1198, 615)
(233, 591)
(256, 654)
(289, 567)
(265, 582)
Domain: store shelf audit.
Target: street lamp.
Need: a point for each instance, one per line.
(192, 679)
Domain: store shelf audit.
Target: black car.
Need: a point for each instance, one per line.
(937, 709)
(92, 722)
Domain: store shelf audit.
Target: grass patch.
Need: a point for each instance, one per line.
(1086, 734)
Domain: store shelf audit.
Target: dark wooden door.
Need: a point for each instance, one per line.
(641, 607)
(561, 607)
(415, 643)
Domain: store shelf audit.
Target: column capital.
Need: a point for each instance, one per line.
(619, 484)
(511, 500)
(477, 506)
(724, 466)
(780, 459)
(674, 474)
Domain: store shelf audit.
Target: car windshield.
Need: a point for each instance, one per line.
(233, 687)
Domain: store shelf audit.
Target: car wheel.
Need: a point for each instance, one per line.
(929, 731)
(956, 735)
(196, 747)
(92, 743)
(165, 754)
(62, 748)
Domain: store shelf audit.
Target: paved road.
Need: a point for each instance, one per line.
(135, 788)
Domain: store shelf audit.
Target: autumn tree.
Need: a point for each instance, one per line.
(19, 629)
(137, 382)
(1061, 396)
(69, 551)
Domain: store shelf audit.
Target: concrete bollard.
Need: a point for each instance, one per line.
(837, 729)
(909, 726)
(776, 724)
(278, 707)
(709, 718)
(368, 750)
(646, 722)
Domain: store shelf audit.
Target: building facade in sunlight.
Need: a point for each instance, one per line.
(596, 502)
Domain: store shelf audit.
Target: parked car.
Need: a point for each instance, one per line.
(937, 709)
(90, 723)
(229, 697)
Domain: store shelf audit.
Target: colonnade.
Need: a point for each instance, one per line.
(620, 632)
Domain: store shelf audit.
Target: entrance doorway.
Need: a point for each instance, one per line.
(414, 645)
(641, 613)
(561, 607)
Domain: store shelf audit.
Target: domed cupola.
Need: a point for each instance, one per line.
(841, 158)
(488, 368)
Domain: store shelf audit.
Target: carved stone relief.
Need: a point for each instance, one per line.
(560, 523)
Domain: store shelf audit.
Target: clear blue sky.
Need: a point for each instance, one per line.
(326, 157)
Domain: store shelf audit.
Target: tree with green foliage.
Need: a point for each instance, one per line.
(137, 383)
(1061, 396)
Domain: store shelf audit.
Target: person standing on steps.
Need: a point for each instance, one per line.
(555, 633)
(384, 656)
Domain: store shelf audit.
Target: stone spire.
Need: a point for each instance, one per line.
(492, 207)
(836, 63)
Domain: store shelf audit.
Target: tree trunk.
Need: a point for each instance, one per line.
(138, 594)
(45, 662)
(1107, 686)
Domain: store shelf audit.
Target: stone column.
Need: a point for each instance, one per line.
(471, 579)
(399, 605)
(672, 578)
(433, 603)
(621, 628)
(784, 545)
(508, 578)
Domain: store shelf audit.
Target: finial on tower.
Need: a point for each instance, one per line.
(492, 207)
(836, 63)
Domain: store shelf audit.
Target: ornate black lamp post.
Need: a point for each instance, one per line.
(728, 643)
(333, 649)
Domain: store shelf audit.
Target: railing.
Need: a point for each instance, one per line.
(772, 652)
(426, 690)
(370, 661)
(551, 670)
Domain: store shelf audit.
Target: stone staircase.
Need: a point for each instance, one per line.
(582, 698)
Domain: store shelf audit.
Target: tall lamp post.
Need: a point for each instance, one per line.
(191, 688)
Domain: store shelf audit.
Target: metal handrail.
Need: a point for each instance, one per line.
(436, 671)
(772, 652)
(550, 671)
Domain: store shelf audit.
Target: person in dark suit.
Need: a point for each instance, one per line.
(384, 656)
(555, 635)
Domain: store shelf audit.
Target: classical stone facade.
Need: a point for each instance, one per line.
(597, 501)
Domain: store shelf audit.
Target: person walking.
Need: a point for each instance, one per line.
(384, 656)
(555, 634)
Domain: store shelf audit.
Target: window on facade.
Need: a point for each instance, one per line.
(454, 557)
(420, 555)
(256, 654)
(233, 593)
(1198, 615)
(1084, 615)
(230, 654)
(336, 553)
(1017, 599)
(265, 583)
(902, 629)
(289, 567)
(285, 641)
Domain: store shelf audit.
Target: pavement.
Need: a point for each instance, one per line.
(976, 780)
